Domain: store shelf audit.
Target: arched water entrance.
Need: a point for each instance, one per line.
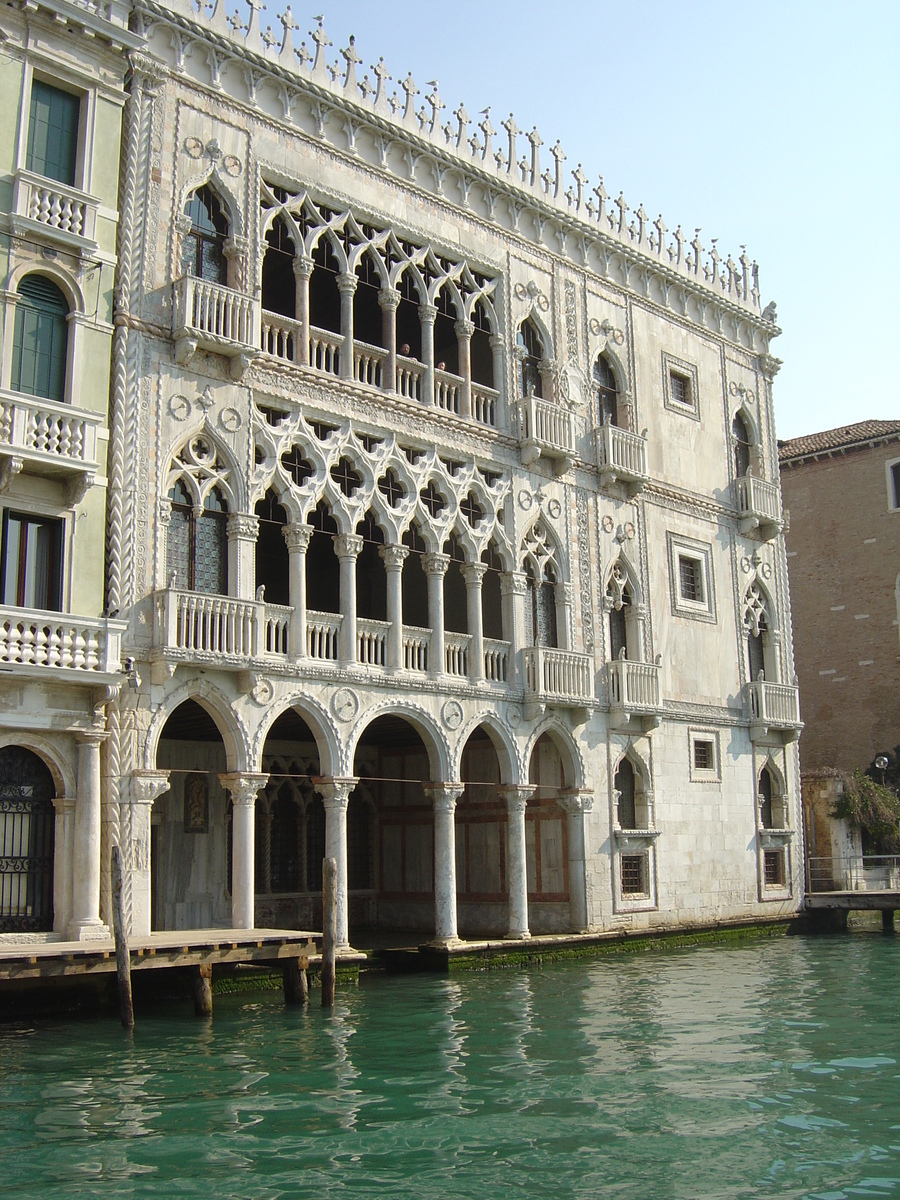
(392, 765)
(481, 841)
(190, 834)
(546, 841)
(26, 842)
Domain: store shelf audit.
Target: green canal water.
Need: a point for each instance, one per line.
(767, 1069)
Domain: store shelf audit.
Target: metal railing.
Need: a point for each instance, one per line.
(559, 676)
(33, 638)
(853, 873)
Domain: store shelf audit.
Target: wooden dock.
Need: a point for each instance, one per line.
(27, 966)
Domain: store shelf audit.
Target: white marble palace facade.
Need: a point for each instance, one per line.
(443, 520)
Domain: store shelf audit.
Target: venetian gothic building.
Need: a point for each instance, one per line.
(443, 521)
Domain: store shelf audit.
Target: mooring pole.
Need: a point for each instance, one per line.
(296, 984)
(203, 1004)
(329, 929)
(123, 958)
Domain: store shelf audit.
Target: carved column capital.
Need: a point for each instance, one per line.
(435, 564)
(303, 266)
(394, 556)
(516, 796)
(243, 527)
(389, 298)
(444, 795)
(335, 792)
(297, 535)
(243, 786)
(513, 583)
(464, 328)
(348, 545)
(473, 573)
(147, 786)
(576, 800)
(428, 313)
(347, 283)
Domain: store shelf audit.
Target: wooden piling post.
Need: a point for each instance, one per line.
(887, 920)
(123, 957)
(203, 1005)
(329, 929)
(296, 982)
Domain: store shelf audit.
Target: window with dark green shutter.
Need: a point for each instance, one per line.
(40, 339)
(53, 133)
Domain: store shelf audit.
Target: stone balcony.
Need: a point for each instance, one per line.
(774, 710)
(251, 635)
(558, 679)
(49, 439)
(57, 646)
(759, 505)
(54, 213)
(635, 704)
(209, 316)
(546, 429)
(280, 338)
(621, 458)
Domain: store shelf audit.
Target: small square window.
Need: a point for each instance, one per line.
(634, 875)
(680, 387)
(704, 755)
(773, 867)
(690, 565)
(690, 579)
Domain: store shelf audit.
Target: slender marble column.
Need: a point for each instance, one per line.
(297, 537)
(347, 287)
(473, 574)
(576, 802)
(335, 795)
(389, 299)
(513, 590)
(243, 530)
(444, 797)
(394, 557)
(303, 269)
(146, 786)
(503, 418)
(435, 566)
(516, 870)
(64, 810)
(427, 318)
(348, 547)
(85, 921)
(244, 788)
(464, 331)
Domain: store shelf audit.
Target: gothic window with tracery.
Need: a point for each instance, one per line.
(741, 442)
(531, 352)
(619, 600)
(543, 575)
(197, 543)
(624, 785)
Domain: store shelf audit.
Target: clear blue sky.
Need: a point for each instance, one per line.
(770, 124)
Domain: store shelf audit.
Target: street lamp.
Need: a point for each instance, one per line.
(881, 764)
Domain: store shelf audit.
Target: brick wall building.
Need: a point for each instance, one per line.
(842, 489)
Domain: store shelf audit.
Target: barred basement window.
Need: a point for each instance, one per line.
(634, 874)
(773, 865)
(704, 759)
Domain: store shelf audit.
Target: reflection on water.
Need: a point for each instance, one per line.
(767, 1070)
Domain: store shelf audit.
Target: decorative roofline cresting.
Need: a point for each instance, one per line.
(451, 157)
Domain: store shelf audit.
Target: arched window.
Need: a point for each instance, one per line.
(40, 339)
(765, 798)
(606, 392)
(741, 446)
(625, 788)
(197, 547)
(531, 352)
(619, 601)
(279, 287)
(26, 842)
(756, 629)
(203, 248)
(543, 606)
